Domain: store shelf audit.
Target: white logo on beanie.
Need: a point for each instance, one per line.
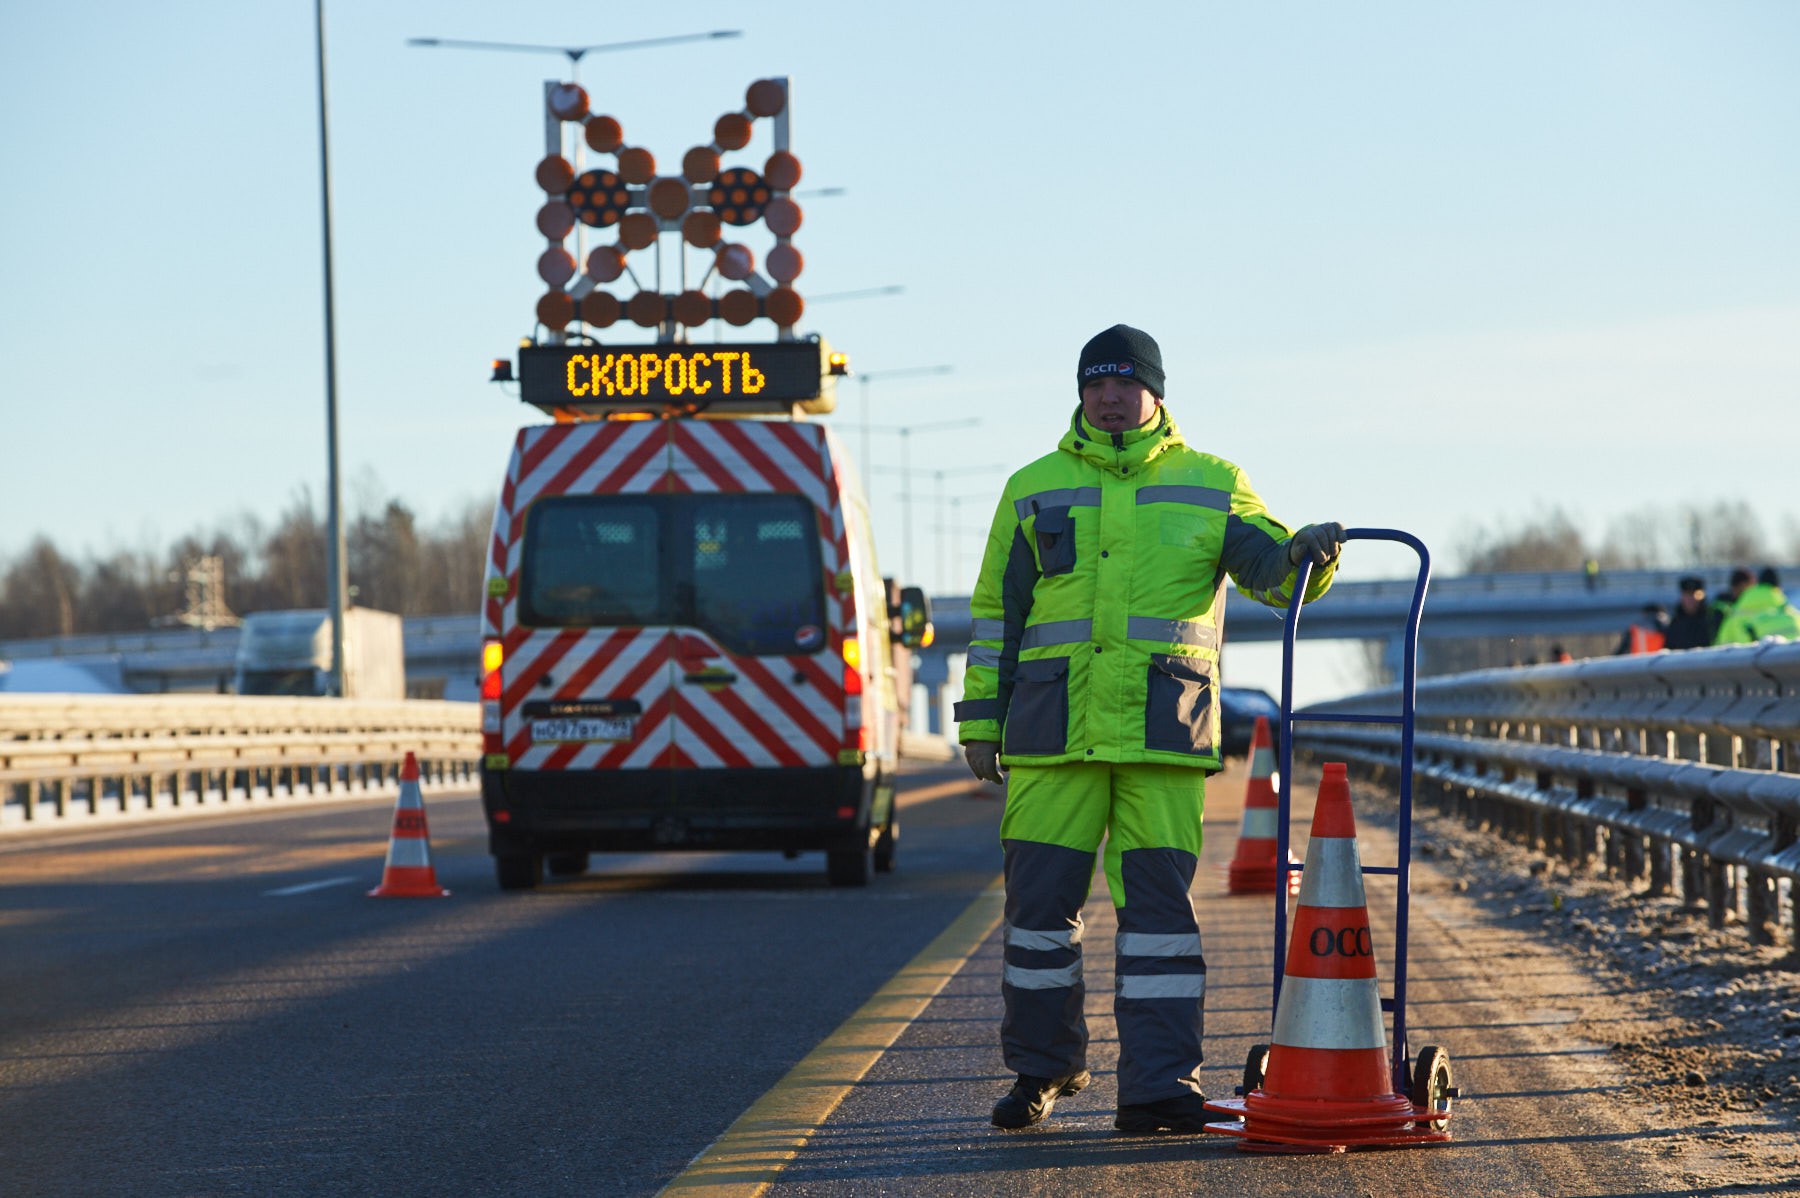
(1099, 368)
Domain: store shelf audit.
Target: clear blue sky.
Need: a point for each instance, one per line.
(1411, 264)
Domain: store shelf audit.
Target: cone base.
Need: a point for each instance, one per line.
(1257, 872)
(1400, 1125)
(406, 881)
(1251, 879)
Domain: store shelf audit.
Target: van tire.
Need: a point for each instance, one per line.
(518, 872)
(847, 867)
(886, 844)
(566, 865)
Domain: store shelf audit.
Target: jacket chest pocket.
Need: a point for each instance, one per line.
(1037, 718)
(1055, 531)
(1178, 706)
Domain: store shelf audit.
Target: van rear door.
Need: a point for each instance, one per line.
(758, 667)
(585, 630)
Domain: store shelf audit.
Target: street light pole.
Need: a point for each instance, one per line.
(865, 377)
(906, 431)
(941, 578)
(334, 513)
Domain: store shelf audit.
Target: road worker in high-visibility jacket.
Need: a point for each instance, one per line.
(1093, 676)
(1759, 611)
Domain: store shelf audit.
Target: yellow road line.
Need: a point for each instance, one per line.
(745, 1160)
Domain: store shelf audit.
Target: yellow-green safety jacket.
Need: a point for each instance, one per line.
(1761, 611)
(1096, 620)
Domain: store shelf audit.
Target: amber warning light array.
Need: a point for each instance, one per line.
(758, 377)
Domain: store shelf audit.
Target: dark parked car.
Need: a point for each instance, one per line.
(1238, 708)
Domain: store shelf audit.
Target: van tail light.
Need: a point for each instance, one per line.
(853, 679)
(856, 733)
(492, 655)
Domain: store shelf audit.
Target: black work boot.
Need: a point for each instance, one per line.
(1031, 1098)
(1174, 1116)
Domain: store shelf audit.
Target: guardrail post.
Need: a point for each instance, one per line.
(1764, 902)
(1662, 866)
(1714, 878)
(1559, 826)
(1721, 896)
(1756, 905)
(1631, 841)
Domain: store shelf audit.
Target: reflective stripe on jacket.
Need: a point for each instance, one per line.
(1096, 619)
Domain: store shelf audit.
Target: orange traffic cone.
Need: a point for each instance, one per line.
(408, 873)
(1254, 868)
(1327, 1085)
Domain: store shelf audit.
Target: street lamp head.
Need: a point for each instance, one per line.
(573, 53)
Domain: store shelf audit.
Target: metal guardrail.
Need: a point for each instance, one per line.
(1678, 769)
(69, 758)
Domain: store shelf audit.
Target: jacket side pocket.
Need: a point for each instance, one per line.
(1178, 705)
(1055, 541)
(1037, 720)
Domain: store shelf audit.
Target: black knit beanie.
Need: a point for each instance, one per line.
(1124, 352)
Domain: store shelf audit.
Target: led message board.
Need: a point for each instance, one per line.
(754, 377)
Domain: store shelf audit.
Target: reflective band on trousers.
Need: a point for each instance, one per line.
(1259, 824)
(1063, 497)
(1333, 876)
(987, 630)
(1057, 632)
(1162, 985)
(408, 850)
(1157, 944)
(1329, 1013)
(1042, 979)
(981, 655)
(1175, 632)
(1035, 939)
(1210, 497)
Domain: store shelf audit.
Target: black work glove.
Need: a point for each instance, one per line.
(1321, 542)
(983, 757)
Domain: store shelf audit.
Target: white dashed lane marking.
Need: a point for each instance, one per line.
(304, 887)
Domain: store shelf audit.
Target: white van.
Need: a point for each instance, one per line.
(687, 645)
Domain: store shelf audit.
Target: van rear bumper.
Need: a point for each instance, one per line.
(807, 808)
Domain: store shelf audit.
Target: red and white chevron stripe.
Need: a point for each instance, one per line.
(776, 711)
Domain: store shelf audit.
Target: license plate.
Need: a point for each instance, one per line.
(612, 727)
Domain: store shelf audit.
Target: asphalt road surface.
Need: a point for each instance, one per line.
(213, 1007)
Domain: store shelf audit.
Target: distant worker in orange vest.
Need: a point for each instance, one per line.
(1647, 633)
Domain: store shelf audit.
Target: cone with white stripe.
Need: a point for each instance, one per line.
(408, 872)
(1254, 868)
(1328, 1084)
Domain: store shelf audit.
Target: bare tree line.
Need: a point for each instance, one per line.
(394, 563)
(1706, 539)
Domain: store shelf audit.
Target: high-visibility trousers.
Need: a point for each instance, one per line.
(1149, 816)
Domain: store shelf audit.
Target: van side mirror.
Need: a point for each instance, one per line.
(915, 618)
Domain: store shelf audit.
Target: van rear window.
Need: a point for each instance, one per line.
(744, 568)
